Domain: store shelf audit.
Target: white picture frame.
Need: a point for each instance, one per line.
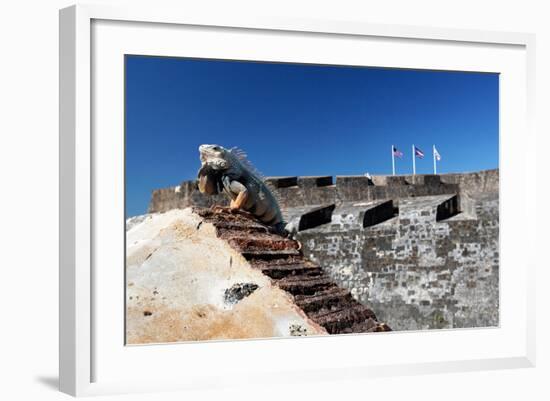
(91, 40)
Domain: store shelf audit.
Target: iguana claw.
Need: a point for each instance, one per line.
(219, 209)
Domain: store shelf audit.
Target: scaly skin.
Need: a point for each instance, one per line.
(230, 171)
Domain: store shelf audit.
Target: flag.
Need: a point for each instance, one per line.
(397, 153)
(437, 155)
(418, 153)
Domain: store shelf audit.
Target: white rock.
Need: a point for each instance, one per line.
(177, 272)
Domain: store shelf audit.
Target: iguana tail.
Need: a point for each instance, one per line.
(285, 229)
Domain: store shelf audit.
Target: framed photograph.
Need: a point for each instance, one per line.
(260, 199)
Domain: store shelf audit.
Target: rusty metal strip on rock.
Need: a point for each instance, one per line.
(280, 258)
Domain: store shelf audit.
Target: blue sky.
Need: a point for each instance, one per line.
(295, 119)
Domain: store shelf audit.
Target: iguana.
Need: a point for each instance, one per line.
(229, 170)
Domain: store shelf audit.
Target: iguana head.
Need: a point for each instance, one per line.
(215, 156)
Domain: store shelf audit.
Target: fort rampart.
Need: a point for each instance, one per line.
(422, 250)
(306, 191)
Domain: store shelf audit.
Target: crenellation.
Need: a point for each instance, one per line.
(282, 182)
(297, 191)
(315, 181)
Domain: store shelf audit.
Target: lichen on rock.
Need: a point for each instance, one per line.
(239, 291)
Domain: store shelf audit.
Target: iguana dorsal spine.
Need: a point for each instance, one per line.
(243, 183)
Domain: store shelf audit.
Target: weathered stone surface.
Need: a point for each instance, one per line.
(178, 273)
(417, 271)
(479, 182)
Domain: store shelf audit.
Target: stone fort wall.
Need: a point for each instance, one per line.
(306, 191)
(416, 271)
(422, 251)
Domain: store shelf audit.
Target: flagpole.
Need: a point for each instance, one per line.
(414, 160)
(392, 160)
(435, 164)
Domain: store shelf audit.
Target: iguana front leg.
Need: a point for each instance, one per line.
(239, 202)
(238, 189)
